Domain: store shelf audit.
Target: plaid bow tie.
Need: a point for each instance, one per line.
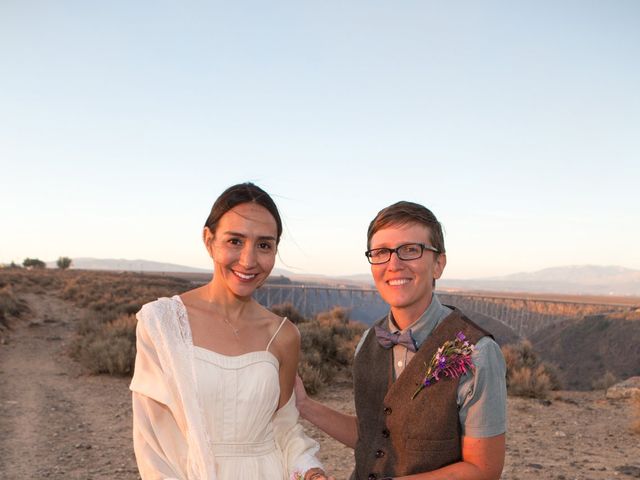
(388, 340)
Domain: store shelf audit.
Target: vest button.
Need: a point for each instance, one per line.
(372, 476)
(387, 410)
(379, 454)
(385, 433)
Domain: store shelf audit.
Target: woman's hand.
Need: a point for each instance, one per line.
(316, 474)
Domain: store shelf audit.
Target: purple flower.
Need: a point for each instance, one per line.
(452, 360)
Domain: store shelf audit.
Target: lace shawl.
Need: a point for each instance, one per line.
(167, 326)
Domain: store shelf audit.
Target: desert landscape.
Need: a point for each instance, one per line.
(61, 422)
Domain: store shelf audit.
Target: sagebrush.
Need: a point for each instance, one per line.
(107, 345)
(527, 375)
(328, 345)
(10, 305)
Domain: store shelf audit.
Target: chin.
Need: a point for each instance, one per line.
(243, 289)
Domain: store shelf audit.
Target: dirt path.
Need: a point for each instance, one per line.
(57, 422)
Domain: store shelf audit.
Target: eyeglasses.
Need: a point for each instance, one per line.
(408, 251)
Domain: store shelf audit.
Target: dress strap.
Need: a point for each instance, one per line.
(274, 335)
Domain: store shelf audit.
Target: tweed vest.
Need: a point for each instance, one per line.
(398, 435)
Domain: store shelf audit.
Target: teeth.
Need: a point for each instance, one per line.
(244, 277)
(399, 281)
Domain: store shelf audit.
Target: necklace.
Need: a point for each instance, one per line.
(236, 331)
(233, 329)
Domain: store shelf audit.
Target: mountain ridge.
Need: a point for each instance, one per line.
(611, 280)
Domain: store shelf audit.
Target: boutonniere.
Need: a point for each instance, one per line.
(452, 359)
(296, 476)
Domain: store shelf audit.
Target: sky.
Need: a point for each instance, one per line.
(517, 123)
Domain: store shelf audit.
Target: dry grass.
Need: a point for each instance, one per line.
(119, 292)
(527, 376)
(31, 281)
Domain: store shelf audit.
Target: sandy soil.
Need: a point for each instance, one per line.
(57, 422)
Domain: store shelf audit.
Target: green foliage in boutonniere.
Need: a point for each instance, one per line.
(452, 359)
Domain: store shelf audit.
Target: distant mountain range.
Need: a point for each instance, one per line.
(125, 265)
(576, 280)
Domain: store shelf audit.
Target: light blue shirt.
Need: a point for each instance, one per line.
(482, 394)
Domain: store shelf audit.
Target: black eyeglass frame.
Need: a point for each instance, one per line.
(396, 250)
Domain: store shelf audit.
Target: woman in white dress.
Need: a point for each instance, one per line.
(214, 373)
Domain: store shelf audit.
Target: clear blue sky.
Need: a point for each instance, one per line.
(517, 123)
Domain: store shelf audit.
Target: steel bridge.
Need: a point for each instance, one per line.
(524, 315)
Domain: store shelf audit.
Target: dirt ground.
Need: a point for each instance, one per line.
(58, 422)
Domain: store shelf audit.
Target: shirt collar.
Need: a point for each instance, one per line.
(424, 325)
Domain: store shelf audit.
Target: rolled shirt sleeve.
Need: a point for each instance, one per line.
(482, 395)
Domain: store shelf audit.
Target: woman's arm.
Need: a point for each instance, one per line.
(340, 426)
(482, 459)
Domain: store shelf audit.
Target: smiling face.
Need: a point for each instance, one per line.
(406, 285)
(243, 248)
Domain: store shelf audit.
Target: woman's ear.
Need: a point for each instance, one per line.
(441, 262)
(207, 238)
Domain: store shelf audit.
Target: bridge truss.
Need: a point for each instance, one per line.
(523, 315)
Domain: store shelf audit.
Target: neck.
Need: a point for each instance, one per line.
(229, 305)
(405, 316)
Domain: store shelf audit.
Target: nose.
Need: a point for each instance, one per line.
(248, 256)
(395, 263)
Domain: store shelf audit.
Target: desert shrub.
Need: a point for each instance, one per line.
(328, 345)
(527, 376)
(312, 377)
(605, 381)
(106, 337)
(130, 308)
(529, 382)
(106, 345)
(289, 311)
(10, 305)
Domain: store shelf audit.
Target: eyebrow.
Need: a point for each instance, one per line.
(242, 235)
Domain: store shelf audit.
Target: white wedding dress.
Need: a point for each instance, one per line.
(240, 396)
(234, 431)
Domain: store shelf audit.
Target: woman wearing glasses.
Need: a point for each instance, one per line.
(408, 423)
(214, 372)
